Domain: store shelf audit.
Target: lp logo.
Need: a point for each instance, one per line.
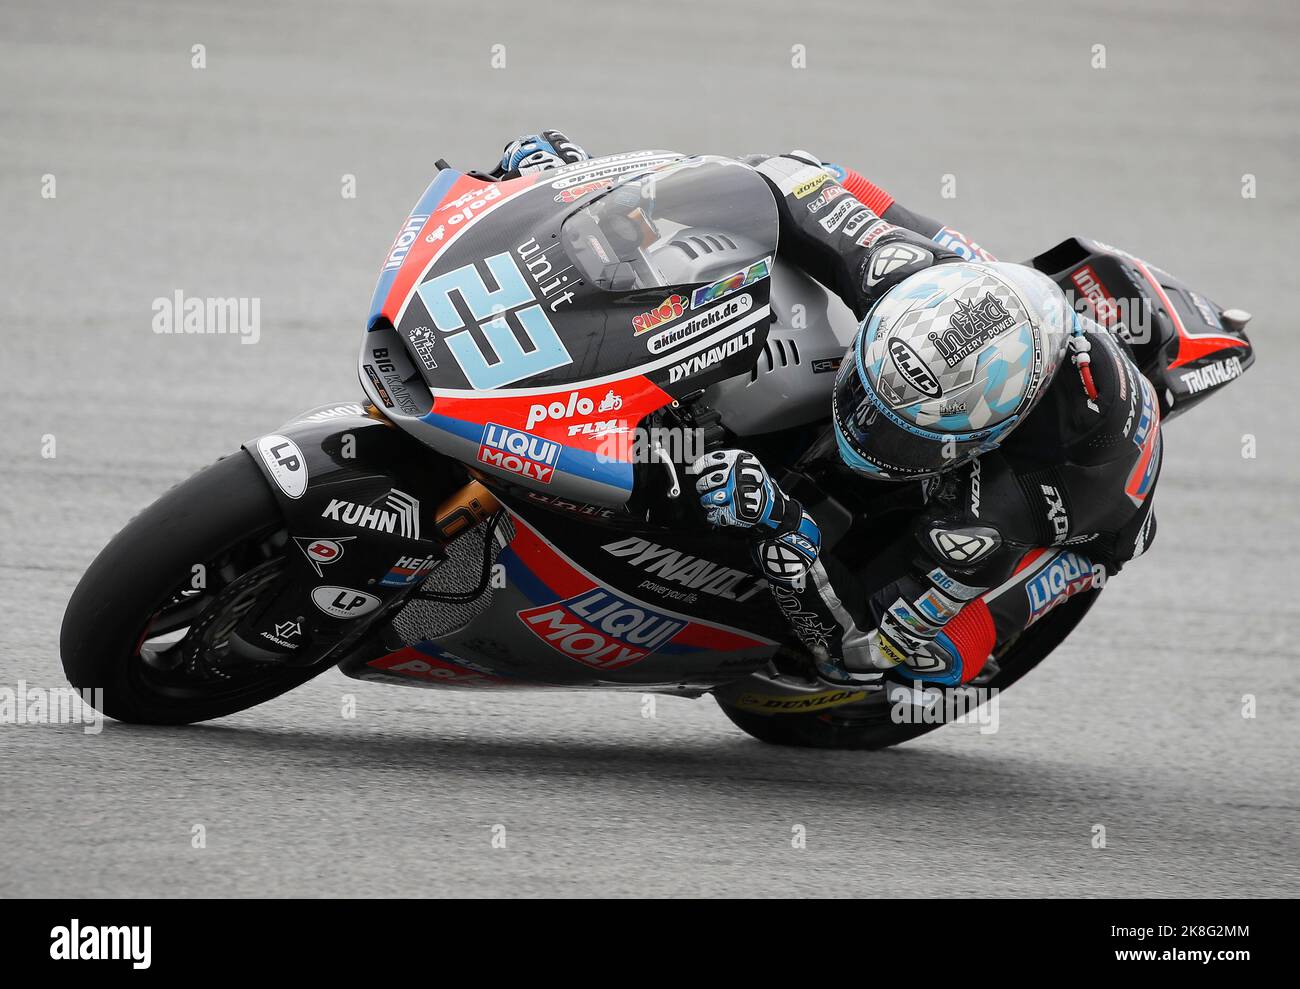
(343, 602)
(285, 464)
(507, 361)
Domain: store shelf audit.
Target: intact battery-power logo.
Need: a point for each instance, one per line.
(601, 629)
(518, 452)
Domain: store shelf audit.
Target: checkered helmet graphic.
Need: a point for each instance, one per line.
(945, 365)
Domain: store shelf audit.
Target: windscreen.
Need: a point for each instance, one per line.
(689, 221)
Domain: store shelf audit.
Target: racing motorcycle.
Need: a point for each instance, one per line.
(539, 352)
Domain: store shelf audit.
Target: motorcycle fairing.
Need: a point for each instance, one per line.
(1181, 340)
(430, 665)
(555, 622)
(595, 463)
(358, 500)
(707, 575)
(481, 325)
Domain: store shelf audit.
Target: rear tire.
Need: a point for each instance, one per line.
(223, 517)
(851, 728)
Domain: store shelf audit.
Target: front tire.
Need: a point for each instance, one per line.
(138, 628)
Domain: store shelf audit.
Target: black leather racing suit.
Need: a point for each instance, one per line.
(1064, 502)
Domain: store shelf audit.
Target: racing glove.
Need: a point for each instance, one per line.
(537, 153)
(736, 490)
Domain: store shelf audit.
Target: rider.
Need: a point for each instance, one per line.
(1036, 484)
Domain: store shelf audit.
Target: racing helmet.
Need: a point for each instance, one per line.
(945, 365)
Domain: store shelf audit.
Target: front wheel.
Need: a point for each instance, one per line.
(869, 725)
(150, 621)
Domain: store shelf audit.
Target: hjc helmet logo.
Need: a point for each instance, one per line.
(911, 367)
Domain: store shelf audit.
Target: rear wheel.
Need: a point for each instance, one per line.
(150, 621)
(869, 725)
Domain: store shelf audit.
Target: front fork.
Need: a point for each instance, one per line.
(462, 510)
(368, 513)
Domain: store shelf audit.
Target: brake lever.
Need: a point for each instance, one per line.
(662, 456)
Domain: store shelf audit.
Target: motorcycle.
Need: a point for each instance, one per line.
(539, 351)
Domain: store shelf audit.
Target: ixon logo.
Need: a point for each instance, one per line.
(600, 629)
(518, 452)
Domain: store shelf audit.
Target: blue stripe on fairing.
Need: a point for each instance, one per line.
(433, 195)
(576, 463)
(530, 585)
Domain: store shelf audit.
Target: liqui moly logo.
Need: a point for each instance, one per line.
(1060, 580)
(600, 629)
(518, 452)
(414, 224)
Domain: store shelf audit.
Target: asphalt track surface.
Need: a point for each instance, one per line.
(226, 181)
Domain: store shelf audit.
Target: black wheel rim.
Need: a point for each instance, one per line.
(183, 653)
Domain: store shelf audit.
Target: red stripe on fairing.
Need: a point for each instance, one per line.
(423, 253)
(547, 565)
(435, 669)
(712, 637)
(1191, 346)
(865, 191)
(639, 396)
(561, 575)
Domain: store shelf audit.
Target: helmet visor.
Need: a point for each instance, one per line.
(885, 447)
